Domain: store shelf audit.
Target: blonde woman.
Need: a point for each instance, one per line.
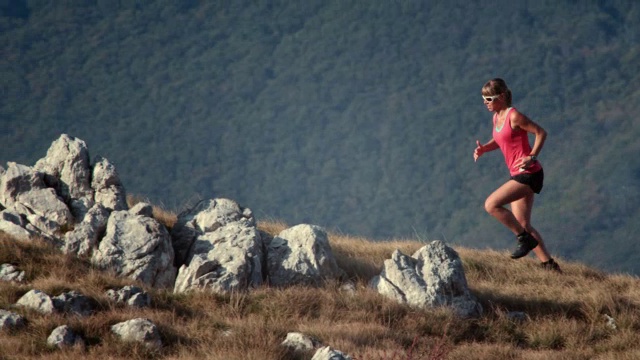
(510, 135)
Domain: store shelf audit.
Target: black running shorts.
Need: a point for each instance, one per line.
(534, 180)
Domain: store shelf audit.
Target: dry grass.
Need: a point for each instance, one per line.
(565, 312)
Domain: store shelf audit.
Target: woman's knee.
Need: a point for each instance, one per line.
(490, 206)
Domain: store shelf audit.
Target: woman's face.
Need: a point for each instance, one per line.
(493, 102)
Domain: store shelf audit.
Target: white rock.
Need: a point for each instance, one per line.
(23, 191)
(301, 255)
(16, 180)
(10, 320)
(109, 191)
(66, 168)
(130, 295)
(227, 259)
(206, 216)
(139, 330)
(14, 225)
(327, 353)
(84, 238)
(611, 322)
(38, 301)
(137, 247)
(433, 276)
(9, 272)
(63, 337)
(300, 342)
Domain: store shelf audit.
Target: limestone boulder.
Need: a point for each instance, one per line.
(66, 168)
(64, 337)
(205, 217)
(432, 277)
(226, 259)
(300, 342)
(301, 255)
(108, 189)
(23, 191)
(38, 301)
(218, 247)
(138, 247)
(139, 330)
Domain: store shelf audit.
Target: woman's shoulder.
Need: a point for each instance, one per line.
(517, 119)
(513, 113)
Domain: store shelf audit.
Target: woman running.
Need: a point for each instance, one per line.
(510, 135)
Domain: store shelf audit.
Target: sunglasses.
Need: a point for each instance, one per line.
(490, 98)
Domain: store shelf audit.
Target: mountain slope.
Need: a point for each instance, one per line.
(565, 316)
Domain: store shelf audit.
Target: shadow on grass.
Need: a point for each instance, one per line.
(532, 307)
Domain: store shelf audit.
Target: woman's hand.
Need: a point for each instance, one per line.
(524, 162)
(478, 151)
(481, 149)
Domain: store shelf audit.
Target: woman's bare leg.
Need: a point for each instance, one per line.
(521, 210)
(508, 193)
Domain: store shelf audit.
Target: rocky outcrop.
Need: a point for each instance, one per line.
(215, 245)
(432, 277)
(221, 248)
(62, 198)
(138, 247)
(301, 255)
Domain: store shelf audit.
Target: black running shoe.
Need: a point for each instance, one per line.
(551, 265)
(526, 243)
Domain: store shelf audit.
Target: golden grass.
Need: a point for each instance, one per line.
(565, 312)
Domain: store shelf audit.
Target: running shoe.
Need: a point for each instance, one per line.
(526, 243)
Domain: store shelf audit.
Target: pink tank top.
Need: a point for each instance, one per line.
(514, 145)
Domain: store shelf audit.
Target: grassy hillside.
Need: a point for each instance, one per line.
(565, 312)
(359, 116)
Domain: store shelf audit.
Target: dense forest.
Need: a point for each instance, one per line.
(360, 116)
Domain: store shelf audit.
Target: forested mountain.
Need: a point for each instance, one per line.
(360, 116)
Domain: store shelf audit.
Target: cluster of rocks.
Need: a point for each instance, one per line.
(81, 208)
(76, 304)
